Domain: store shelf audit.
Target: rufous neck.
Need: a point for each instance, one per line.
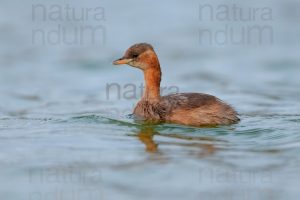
(152, 77)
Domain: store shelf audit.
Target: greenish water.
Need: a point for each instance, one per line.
(65, 136)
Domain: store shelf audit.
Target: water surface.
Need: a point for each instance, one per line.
(63, 137)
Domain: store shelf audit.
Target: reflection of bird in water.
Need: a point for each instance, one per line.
(146, 137)
(195, 109)
(147, 133)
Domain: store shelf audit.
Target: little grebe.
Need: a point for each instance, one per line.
(195, 109)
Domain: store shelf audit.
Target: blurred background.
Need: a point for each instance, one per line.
(65, 133)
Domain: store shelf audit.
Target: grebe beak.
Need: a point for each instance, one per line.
(122, 61)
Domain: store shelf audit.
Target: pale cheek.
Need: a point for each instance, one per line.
(139, 65)
(142, 66)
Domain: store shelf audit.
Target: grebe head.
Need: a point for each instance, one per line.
(140, 55)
